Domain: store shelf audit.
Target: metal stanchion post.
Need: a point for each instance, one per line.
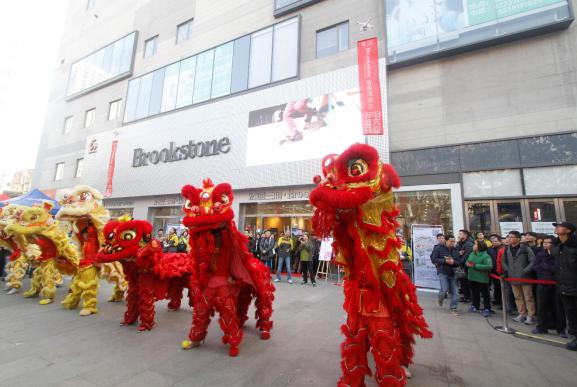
(505, 328)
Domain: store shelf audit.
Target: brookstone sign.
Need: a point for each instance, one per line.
(182, 152)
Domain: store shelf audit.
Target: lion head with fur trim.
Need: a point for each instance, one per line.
(7, 214)
(82, 202)
(32, 220)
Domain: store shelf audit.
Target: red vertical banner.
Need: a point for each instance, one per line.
(370, 86)
(108, 192)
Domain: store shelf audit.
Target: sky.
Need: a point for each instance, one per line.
(36, 25)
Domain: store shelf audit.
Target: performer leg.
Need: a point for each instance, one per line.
(132, 298)
(146, 306)
(35, 282)
(175, 288)
(71, 302)
(244, 300)
(48, 285)
(387, 351)
(203, 310)
(229, 323)
(264, 311)
(88, 284)
(16, 271)
(354, 352)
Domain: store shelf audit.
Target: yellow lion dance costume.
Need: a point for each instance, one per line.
(83, 215)
(23, 253)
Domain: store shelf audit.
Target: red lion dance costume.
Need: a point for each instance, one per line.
(151, 274)
(355, 203)
(226, 277)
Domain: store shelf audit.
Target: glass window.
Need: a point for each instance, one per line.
(89, 118)
(510, 215)
(561, 180)
(285, 46)
(424, 161)
(79, 164)
(504, 183)
(67, 124)
(184, 31)
(114, 111)
(296, 207)
(479, 215)
(131, 97)
(542, 214)
(425, 27)
(222, 72)
(570, 207)
(90, 4)
(170, 88)
(554, 149)
(143, 100)
(283, 3)
(490, 155)
(332, 40)
(203, 79)
(260, 58)
(186, 82)
(230, 68)
(156, 94)
(424, 207)
(116, 213)
(59, 171)
(150, 46)
(240, 61)
(102, 66)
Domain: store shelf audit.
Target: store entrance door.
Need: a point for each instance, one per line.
(523, 215)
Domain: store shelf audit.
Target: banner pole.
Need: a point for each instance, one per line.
(505, 328)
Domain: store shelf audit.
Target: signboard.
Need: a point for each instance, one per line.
(326, 251)
(222, 70)
(371, 107)
(424, 240)
(327, 123)
(203, 76)
(507, 227)
(543, 228)
(111, 164)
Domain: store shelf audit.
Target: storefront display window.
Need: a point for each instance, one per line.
(424, 207)
(118, 212)
(165, 216)
(279, 208)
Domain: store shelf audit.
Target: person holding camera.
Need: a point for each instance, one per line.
(285, 246)
(446, 257)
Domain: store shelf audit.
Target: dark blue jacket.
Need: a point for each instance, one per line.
(544, 265)
(438, 257)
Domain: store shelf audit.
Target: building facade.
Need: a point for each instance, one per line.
(479, 106)
(21, 181)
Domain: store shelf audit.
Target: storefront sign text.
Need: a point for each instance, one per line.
(169, 201)
(124, 203)
(181, 152)
(278, 195)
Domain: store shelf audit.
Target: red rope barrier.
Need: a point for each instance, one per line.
(524, 280)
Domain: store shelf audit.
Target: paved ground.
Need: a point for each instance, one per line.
(47, 345)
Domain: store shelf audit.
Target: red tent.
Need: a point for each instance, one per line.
(4, 197)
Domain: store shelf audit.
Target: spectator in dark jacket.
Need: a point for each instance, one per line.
(564, 252)
(250, 243)
(548, 300)
(446, 257)
(493, 251)
(517, 263)
(466, 243)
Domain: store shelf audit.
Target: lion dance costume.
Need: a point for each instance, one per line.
(354, 201)
(152, 275)
(23, 253)
(84, 216)
(226, 277)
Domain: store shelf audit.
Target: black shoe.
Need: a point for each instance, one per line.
(510, 313)
(494, 303)
(572, 346)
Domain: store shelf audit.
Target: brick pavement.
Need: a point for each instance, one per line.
(47, 345)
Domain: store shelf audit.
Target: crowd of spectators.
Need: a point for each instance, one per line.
(516, 261)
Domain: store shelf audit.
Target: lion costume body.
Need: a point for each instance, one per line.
(82, 210)
(226, 277)
(152, 275)
(354, 202)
